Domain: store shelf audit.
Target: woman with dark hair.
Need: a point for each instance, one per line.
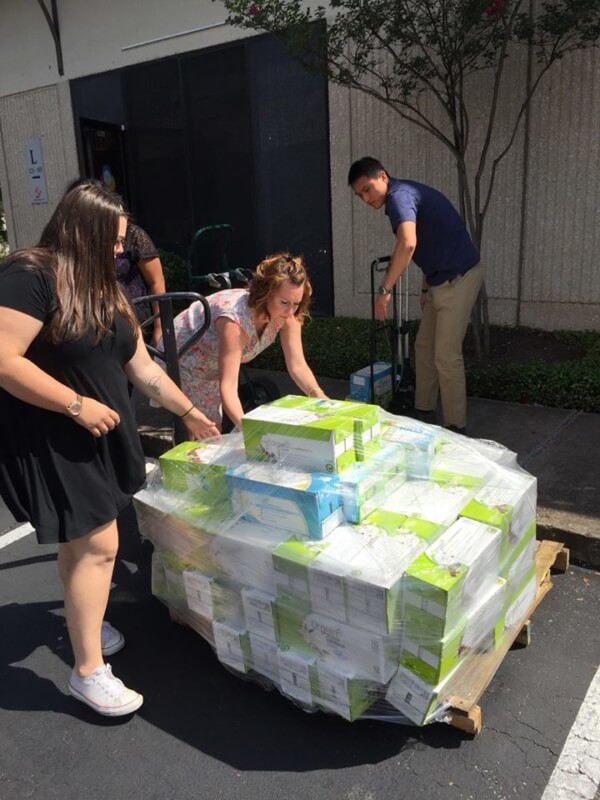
(244, 322)
(71, 456)
(140, 272)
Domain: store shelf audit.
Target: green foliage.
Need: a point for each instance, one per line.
(559, 385)
(337, 347)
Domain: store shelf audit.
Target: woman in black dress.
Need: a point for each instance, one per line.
(71, 456)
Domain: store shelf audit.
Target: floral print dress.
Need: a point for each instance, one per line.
(199, 366)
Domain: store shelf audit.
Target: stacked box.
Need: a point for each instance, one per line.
(373, 581)
(365, 654)
(309, 505)
(243, 554)
(418, 439)
(365, 419)
(313, 439)
(381, 380)
(446, 579)
(457, 463)
(342, 692)
(418, 701)
(427, 560)
(508, 502)
(428, 500)
(521, 564)
(199, 468)
(298, 675)
(365, 485)
(264, 657)
(433, 658)
(259, 611)
(290, 563)
(232, 645)
(211, 598)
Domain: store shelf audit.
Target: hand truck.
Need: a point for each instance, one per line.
(396, 333)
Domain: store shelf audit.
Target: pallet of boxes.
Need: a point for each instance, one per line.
(365, 564)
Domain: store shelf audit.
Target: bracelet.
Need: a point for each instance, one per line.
(424, 291)
(181, 416)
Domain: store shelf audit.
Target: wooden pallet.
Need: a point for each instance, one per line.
(465, 713)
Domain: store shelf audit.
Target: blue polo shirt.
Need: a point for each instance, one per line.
(444, 247)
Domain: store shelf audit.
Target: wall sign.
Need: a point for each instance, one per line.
(36, 176)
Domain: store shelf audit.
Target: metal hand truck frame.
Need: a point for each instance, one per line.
(396, 332)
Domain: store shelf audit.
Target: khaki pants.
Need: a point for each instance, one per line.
(439, 362)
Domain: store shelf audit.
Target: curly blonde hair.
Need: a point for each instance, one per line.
(270, 274)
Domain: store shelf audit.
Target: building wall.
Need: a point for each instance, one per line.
(45, 114)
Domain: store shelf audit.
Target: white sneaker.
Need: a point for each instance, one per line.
(112, 639)
(104, 693)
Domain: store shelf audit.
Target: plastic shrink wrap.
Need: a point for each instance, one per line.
(358, 561)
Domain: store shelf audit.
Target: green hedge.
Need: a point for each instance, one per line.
(337, 347)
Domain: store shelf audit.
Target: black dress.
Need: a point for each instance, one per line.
(53, 472)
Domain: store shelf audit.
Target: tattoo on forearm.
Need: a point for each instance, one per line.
(154, 385)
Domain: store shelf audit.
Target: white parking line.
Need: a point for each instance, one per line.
(15, 534)
(577, 772)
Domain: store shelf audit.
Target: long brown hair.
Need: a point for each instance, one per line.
(77, 248)
(270, 274)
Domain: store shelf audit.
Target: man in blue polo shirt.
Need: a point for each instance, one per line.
(430, 232)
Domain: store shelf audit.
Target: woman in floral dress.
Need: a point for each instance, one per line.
(244, 322)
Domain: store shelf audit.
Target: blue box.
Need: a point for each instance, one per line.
(306, 504)
(360, 384)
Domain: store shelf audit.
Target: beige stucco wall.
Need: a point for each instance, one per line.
(45, 114)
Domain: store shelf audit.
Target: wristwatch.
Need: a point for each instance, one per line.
(383, 291)
(74, 408)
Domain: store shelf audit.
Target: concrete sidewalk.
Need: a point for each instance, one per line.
(558, 446)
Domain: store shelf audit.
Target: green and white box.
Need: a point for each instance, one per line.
(390, 543)
(297, 433)
(508, 501)
(264, 657)
(290, 611)
(290, 562)
(198, 468)
(232, 645)
(327, 570)
(522, 562)
(418, 439)
(434, 659)
(259, 610)
(341, 692)
(365, 418)
(417, 700)
(298, 676)
(446, 580)
(211, 598)
(429, 500)
(379, 375)
(309, 505)
(364, 486)
(516, 612)
(457, 463)
(244, 554)
(366, 654)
